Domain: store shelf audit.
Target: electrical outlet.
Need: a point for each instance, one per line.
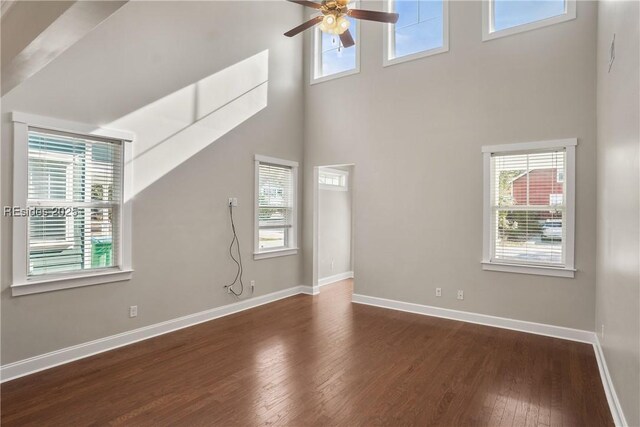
(133, 311)
(233, 201)
(332, 263)
(253, 285)
(438, 292)
(460, 294)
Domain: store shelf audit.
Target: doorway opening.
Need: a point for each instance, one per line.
(333, 260)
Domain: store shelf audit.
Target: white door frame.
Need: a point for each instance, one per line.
(316, 193)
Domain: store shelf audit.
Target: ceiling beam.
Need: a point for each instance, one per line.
(34, 33)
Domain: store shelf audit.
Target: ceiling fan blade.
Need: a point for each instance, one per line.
(346, 39)
(307, 3)
(300, 28)
(372, 15)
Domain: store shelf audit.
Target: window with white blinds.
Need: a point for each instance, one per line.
(276, 205)
(74, 200)
(72, 204)
(530, 222)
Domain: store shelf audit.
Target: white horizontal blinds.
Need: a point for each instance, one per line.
(528, 202)
(74, 196)
(275, 205)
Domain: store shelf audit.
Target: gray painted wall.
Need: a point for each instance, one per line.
(415, 131)
(618, 253)
(181, 229)
(334, 231)
(425, 133)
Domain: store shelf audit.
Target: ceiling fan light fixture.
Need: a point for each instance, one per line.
(332, 18)
(334, 25)
(343, 24)
(329, 22)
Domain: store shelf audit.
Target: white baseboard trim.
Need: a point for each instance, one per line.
(59, 357)
(516, 325)
(309, 290)
(607, 382)
(335, 278)
(482, 319)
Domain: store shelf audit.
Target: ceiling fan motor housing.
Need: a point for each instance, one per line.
(333, 18)
(334, 21)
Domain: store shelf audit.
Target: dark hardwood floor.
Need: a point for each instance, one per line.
(321, 361)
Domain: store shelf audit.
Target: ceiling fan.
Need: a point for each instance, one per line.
(333, 19)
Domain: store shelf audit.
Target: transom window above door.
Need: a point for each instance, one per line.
(333, 179)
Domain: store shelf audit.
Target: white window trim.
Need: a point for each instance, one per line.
(21, 283)
(489, 33)
(390, 34)
(342, 173)
(316, 57)
(293, 238)
(570, 167)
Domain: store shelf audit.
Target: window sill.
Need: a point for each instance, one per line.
(316, 80)
(39, 285)
(529, 269)
(413, 56)
(275, 253)
(492, 35)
